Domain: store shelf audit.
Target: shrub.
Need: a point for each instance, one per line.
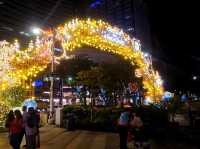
(105, 118)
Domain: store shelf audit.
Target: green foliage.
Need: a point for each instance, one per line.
(111, 76)
(14, 96)
(70, 108)
(72, 66)
(104, 118)
(117, 75)
(91, 78)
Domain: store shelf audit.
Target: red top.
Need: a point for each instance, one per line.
(16, 126)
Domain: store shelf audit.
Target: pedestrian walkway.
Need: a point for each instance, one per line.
(4, 141)
(58, 138)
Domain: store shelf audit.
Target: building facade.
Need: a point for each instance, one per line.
(130, 15)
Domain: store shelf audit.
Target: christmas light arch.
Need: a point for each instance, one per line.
(22, 65)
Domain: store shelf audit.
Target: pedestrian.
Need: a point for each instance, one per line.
(19, 119)
(31, 128)
(190, 113)
(24, 116)
(136, 126)
(10, 118)
(123, 128)
(37, 129)
(14, 123)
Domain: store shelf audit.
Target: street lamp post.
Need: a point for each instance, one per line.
(38, 31)
(52, 79)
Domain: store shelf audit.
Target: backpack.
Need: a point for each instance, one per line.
(31, 121)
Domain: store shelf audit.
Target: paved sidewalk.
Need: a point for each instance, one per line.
(57, 138)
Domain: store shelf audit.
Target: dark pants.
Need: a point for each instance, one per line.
(15, 140)
(38, 138)
(123, 133)
(138, 134)
(22, 135)
(31, 141)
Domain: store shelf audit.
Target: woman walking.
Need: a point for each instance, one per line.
(14, 123)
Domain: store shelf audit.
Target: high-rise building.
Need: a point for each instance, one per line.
(17, 17)
(130, 15)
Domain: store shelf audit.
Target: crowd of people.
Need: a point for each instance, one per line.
(131, 129)
(24, 125)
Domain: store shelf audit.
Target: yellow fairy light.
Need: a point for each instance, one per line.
(75, 34)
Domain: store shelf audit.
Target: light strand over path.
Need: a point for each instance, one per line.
(26, 64)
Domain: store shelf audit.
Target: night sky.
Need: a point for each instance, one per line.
(174, 28)
(175, 31)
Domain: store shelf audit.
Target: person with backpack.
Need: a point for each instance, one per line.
(31, 128)
(123, 123)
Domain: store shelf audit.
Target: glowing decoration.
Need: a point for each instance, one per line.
(37, 83)
(114, 35)
(6, 51)
(148, 101)
(136, 45)
(132, 87)
(138, 73)
(70, 78)
(158, 81)
(194, 77)
(28, 63)
(184, 98)
(96, 3)
(4, 109)
(30, 103)
(36, 31)
(167, 96)
(147, 59)
(67, 36)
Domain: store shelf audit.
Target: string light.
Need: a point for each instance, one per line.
(26, 64)
(4, 109)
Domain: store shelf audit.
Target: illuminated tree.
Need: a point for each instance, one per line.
(4, 109)
(14, 96)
